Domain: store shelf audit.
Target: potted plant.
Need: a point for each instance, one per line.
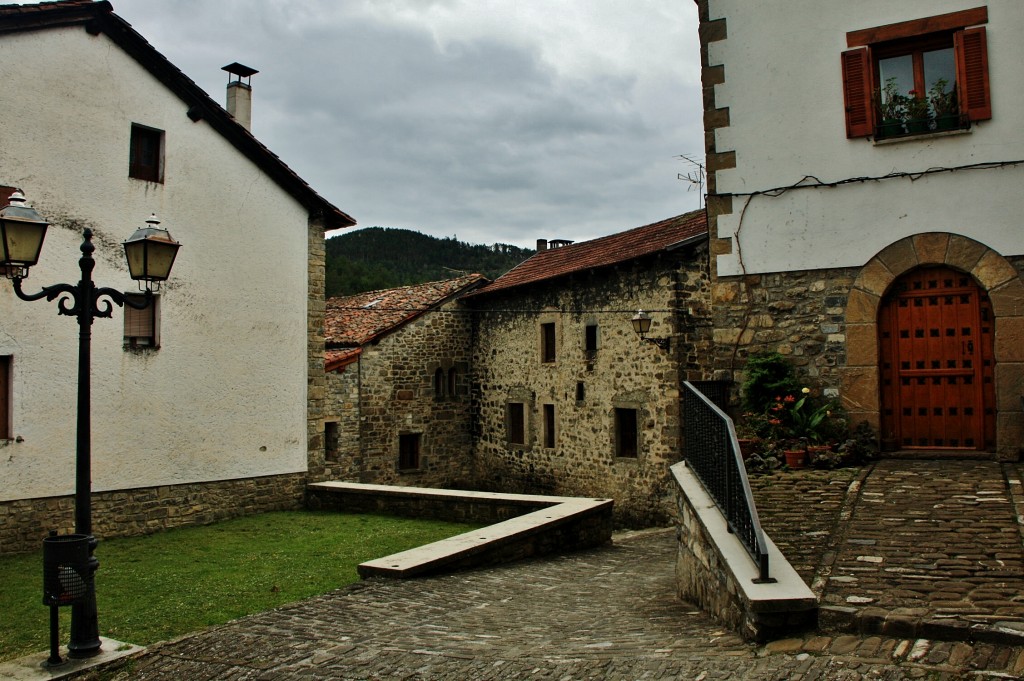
(918, 113)
(944, 105)
(892, 109)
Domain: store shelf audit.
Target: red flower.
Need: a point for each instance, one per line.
(790, 398)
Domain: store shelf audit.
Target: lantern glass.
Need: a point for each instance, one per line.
(150, 252)
(22, 231)
(641, 323)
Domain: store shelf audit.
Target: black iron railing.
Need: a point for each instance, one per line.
(712, 452)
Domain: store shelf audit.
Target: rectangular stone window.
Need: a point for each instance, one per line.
(142, 327)
(626, 433)
(581, 391)
(515, 423)
(146, 154)
(547, 342)
(5, 397)
(409, 451)
(331, 441)
(549, 426)
(590, 341)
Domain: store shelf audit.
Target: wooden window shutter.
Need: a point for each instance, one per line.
(971, 47)
(5, 392)
(857, 92)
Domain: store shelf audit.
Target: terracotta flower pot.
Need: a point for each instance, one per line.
(795, 458)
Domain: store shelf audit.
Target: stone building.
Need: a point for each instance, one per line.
(398, 376)
(864, 208)
(567, 398)
(209, 405)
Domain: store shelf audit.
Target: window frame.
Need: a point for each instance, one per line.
(130, 341)
(410, 452)
(590, 341)
(515, 424)
(627, 444)
(332, 441)
(860, 71)
(548, 340)
(550, 426)
(6, 397)
(142, 165)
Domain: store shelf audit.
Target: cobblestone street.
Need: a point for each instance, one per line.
(611, 613)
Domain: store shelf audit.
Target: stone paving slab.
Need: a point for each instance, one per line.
(906, 547)
(606, 613)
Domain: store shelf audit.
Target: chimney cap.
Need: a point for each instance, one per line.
(240, 70)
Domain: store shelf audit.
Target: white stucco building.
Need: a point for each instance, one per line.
(216, 411)
(865, 162)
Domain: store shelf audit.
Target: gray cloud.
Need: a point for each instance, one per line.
(492, 127)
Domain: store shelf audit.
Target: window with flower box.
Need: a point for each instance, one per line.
(917, 77)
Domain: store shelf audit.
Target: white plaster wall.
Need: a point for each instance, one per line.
(783, 89)
(225, 395)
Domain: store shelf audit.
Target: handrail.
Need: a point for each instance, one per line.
(713, 453)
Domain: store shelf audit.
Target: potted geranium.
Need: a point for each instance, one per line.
(918, 113)
(944, 105)
(892, 109)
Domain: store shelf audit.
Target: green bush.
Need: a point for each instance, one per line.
(769, 375)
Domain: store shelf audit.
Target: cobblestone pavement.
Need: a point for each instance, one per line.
(608, 613)
(931, 547)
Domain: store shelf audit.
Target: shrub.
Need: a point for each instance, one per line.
(769, 375)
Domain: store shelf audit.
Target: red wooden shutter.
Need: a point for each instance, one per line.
(971, 48)
(857, 92)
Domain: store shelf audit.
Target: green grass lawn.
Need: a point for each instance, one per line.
(156, 587)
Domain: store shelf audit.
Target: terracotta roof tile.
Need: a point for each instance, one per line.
(601, 252)
(355, 320)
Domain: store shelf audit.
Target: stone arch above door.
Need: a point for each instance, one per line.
(993, 272)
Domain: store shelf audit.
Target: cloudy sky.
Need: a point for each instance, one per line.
(488, 120)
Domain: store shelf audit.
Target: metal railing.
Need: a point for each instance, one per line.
(712, 452)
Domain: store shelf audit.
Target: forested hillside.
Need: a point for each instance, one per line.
(378, 257)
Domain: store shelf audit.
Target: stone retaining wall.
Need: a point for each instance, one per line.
(714, 571)
(121, 513)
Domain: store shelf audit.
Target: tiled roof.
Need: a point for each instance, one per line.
(99, 17)
(335, 360)
(356, 320)
(602, 252)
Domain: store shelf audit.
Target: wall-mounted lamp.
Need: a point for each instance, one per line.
(642, 324)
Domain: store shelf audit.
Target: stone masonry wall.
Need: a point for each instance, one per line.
(586, 390)
(392, 389)
(316, 391)
(122, 513)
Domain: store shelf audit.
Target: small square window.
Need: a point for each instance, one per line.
(547, 342)
(408, 451)
(146, 156)
(626, 433)
(142, 327)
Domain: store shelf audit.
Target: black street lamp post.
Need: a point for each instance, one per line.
(150, 253)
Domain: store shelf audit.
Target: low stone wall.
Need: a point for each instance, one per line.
(122, 513)
(518, 526)
(484, 508)
(714, 571)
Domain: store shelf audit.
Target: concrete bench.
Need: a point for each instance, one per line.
(524, 525)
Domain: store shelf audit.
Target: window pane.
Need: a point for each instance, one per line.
(902, 69)
(939, 64)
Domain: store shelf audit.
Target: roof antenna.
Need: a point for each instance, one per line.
(695, 177)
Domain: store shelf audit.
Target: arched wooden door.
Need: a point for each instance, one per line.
(936, 352)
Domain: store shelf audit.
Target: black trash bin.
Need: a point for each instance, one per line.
(65, 569)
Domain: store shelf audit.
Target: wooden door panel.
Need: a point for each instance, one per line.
(934, 336)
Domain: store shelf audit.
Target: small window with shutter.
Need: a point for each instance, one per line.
(142, 327)
(917, 77)
(146, 154)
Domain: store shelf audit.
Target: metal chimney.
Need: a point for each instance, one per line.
(240, 93)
